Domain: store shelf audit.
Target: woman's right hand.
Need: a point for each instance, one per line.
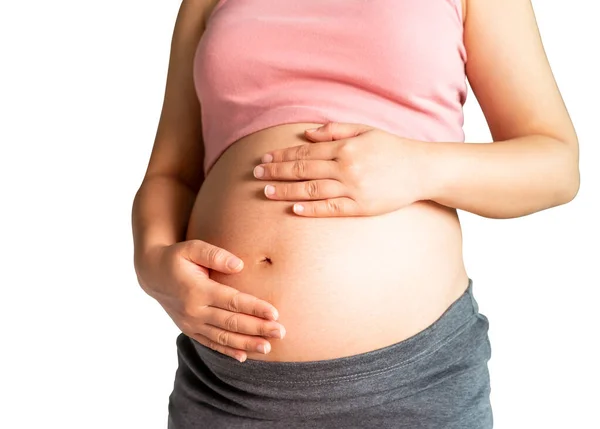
(216, 315)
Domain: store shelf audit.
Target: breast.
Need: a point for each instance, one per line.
(397, 65)
(341, 285)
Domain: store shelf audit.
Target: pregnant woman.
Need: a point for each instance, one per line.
(297, 219)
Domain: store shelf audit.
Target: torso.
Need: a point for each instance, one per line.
(342, 286)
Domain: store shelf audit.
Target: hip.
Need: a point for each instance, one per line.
(436, 378)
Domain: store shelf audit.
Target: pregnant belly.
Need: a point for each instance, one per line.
(342, 286)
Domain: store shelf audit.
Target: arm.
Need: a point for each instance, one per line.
(169, 268)
(533, 163)
(163, 203)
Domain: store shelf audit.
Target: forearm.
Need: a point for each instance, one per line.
(160, 214)
(504, 179)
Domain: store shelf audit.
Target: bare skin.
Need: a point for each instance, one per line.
(342, 285)
(169, 268)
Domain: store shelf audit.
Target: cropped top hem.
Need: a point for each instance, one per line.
(291, 114)
(397, 65)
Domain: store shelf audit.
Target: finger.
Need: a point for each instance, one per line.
(336, 131)
(223, 337)
(210, 256)
(297, 170)
(332, 207)
(239, 355)
(241, 323)
(324, 151)
(309, 190)
(231, 299)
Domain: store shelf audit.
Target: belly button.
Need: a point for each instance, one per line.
(267, 260)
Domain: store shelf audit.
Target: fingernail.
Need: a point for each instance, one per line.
(269, 190)
(312, 130)
(279, 333)
(267, 158)
(259, 171)
(275, 333)
(270, 315)
(264, 348)
(298, 208)
(233, 263)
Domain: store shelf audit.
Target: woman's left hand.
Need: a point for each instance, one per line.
(349, 170)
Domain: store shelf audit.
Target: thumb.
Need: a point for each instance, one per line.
(336, 131)
(213, 257)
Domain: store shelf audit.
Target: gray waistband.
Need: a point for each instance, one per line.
(309, 373)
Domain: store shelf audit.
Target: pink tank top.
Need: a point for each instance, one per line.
(397, 65)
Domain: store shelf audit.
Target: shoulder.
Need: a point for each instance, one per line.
(194, 14)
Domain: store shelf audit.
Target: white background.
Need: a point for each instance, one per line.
(81, 87)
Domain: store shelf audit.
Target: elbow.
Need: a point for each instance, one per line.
(568, 192)
(571, 181)
(571, 188)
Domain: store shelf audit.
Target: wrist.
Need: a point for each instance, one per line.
(144, 259)
(431, 165)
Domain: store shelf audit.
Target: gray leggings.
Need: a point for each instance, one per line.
(437, 378)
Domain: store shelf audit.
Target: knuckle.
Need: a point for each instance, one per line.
(189, 309)
(223, 338)
(189, 246)
(215, 254)
(299, 169)
(355, 169)
(334, 206)
(264, 330)
(355, 177)
(184, 326)
(247, 344)
(312, 189)
(272, 170)
(255, 306)
(347, 148)
(213, 345)
(303, 152)
(175, 264)
(232, 323)
(233, 304)
(330, 127)
(283, 191)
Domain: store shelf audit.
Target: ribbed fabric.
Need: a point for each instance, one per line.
(398, 65)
